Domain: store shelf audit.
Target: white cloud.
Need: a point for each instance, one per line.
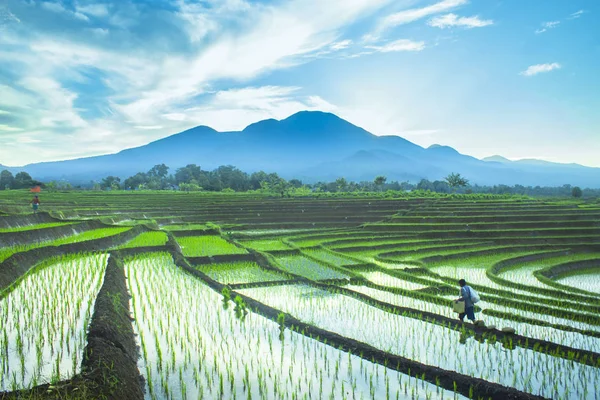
(399, 45)
(96, 10)
(234, 109)
(411, 15)
(450, 20)
(54, 104)
(8, 128)
(7, 16)
(100, 31)
(277, 38)
(551, 24)
(577, 14)
(343, 44)
(539, 68)
(153, 92)
(547, 25)
(59, 8)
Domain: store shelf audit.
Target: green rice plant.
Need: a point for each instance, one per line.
(265, 244)
(429, 343)
(308, 268)
(240, 272)
(587, 280)
(184, 227)
(35, 227)
(330, 257)
(213, 354)
(523, 272)
(89, 235)
(45, 319)
(209, 245)
(80, 237)
(383, 279)
(146, 239)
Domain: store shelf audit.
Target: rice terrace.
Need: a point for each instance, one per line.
(172, 295)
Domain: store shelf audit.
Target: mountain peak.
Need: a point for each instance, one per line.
(443, 149)
(314, 146)
(303, 118)
(307, 125)
(496, 158)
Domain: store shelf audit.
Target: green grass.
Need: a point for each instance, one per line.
(147, 239)
(209, 245)
(265, 245)
(81, 237)
(184, 227)
(35, 227)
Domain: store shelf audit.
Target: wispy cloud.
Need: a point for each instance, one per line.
(452, 20)
(7, 16)
(341, 45)
(95, 10)
(234, 109)
(59, 8)
(554, 24)
(547, 25)
(540, 68)
(576, 14)
(109, 89)
(412, 15)
(398, 45)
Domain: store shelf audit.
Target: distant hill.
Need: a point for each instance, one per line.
(496, 159)
(314, 146)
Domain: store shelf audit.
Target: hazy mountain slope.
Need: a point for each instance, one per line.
(314, 146)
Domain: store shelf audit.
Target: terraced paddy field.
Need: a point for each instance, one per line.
(160, 295)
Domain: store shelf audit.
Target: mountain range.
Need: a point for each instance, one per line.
(314, 146)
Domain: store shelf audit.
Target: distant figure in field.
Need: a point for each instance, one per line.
(466, 296)
(35, 203)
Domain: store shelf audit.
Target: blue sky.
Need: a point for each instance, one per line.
(512, 77)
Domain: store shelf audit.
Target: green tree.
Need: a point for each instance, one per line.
(23, 180)
(136, 181)
(159, 171)
(257, 178)
(379, 182)
(576, 192)
(295, 183)
(189, 187)
(441, 187)
(7, 180)
(187, 174)
(455, 180)
(111, 182)
(51, 186)
(342, 184)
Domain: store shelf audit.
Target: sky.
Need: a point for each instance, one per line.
(519, 78)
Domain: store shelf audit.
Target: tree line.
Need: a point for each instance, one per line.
(229, 178)
(21, 180)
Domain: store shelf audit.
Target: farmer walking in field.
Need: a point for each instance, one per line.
(35, 203)
(470, 297)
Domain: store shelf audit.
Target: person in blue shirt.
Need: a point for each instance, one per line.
(465, 295)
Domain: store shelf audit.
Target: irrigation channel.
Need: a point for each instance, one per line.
(188, 296)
